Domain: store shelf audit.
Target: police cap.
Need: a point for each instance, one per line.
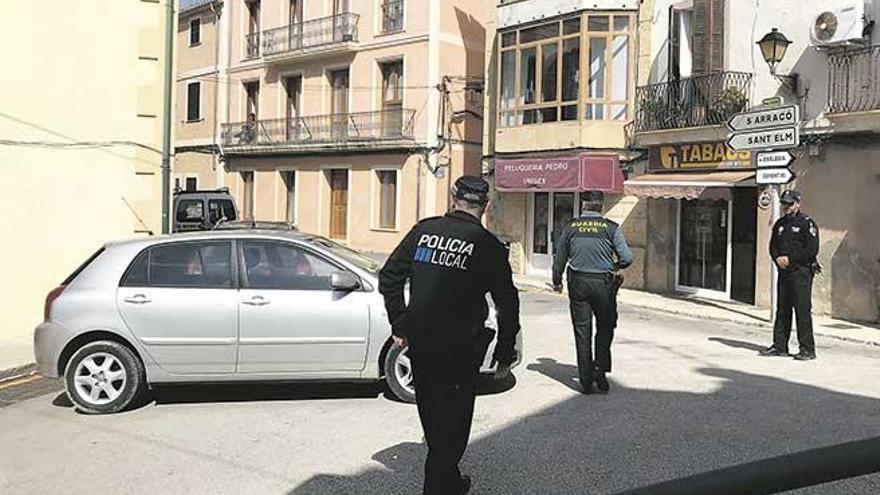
(472, 189)
(790, 197)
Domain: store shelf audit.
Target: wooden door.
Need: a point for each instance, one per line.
(338, 204)
(339, 82)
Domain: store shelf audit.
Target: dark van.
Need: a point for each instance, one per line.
(201, 210)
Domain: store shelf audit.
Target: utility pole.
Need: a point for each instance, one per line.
(166, 116)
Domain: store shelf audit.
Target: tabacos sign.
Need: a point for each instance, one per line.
(694, 156)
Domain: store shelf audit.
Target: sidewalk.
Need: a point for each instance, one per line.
(732, 312)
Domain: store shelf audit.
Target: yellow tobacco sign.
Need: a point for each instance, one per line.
(692, 156)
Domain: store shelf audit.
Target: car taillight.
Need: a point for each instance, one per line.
(47, 309)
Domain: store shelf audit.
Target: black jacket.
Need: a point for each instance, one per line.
(451, 263)
(797, 237)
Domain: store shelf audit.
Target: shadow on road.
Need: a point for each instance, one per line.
(566, 374)
(737, 344)
(634, 438)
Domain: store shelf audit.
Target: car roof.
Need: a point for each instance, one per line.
(213, 235)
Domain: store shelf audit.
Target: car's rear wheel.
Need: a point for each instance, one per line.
(399, 374)
(104, 377)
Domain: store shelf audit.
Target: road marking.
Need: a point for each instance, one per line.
(19, 381)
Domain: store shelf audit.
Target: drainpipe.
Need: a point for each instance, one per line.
(166, 117)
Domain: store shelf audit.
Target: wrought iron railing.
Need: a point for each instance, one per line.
(340, 28)
(252, 45)
(692, 102)
(344, 128)
(854, 80)
(392, 16)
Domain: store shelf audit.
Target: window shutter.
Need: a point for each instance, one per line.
(716, 36)
(708, 46)
(701, 30)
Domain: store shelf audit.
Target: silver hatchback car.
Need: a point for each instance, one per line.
(221, 307)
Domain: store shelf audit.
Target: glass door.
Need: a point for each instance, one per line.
(548, 216)
(704, 248)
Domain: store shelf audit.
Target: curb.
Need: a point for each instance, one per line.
(754, 324)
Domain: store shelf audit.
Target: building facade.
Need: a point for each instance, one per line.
(699, 64)
(349, 119)
(562, 75)
(81, 127)
(202, 60)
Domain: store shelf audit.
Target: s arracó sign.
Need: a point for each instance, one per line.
(714, 155)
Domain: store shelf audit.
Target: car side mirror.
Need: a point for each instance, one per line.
(346, 281)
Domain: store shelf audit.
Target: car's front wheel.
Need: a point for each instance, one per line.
(399, 374)
(104, 377)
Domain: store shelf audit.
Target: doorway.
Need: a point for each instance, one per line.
(703, 254)
(339, 103)
(549, 213)
(338, 203)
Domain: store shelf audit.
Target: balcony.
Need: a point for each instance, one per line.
(386, 129)
(692, 102)
(325, 36)
(854, 81)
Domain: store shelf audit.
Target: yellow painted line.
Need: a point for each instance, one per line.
(19, 381)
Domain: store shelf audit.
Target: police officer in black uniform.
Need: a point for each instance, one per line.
(793, 247)
(451, 263)
(593, 248)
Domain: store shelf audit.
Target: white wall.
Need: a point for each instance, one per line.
(747, 21)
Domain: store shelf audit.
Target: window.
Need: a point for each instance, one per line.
(541, 69)
(275, 265)
(387, 199)
(392, 99)
(190, 210)
(197, 265)
(289, 177)
(192, 184)
(193, 103)
(392, 16)
(247, 179)
(195, 32)
(608, 72)
(221, 208)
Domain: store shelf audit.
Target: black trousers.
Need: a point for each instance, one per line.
(591, 295)
(445, 394)
(794, 292)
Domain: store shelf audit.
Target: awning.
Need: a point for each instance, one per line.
(686, 185)
(563, 173)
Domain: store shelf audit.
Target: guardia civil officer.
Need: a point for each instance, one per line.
(794, 247)
(451, 263)
(593, 248)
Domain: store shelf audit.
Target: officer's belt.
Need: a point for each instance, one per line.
(596, 275)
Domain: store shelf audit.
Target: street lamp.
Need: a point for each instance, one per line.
(773, 47)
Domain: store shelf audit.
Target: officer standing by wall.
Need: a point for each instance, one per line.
(451, 263)
(794, 247)
(593, 248)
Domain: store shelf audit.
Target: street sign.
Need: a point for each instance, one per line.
(768, 118)
(772, 102)
(771, 139)
(773, 159)
(774, 176)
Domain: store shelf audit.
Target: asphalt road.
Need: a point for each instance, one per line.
(688, 397)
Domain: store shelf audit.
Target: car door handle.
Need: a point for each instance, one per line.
(256, 301)
(137, 299)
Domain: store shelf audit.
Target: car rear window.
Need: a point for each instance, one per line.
(82, 267)
(190, 210)
(219, 208)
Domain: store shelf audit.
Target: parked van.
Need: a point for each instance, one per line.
(202, 210)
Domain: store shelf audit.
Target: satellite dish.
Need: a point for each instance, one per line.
(825, 26)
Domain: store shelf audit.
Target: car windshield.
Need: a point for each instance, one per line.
(358, 259)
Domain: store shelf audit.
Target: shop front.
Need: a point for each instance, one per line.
(548, 189)
(702, 220)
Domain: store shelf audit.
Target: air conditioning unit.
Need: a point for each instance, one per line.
(840, 25)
